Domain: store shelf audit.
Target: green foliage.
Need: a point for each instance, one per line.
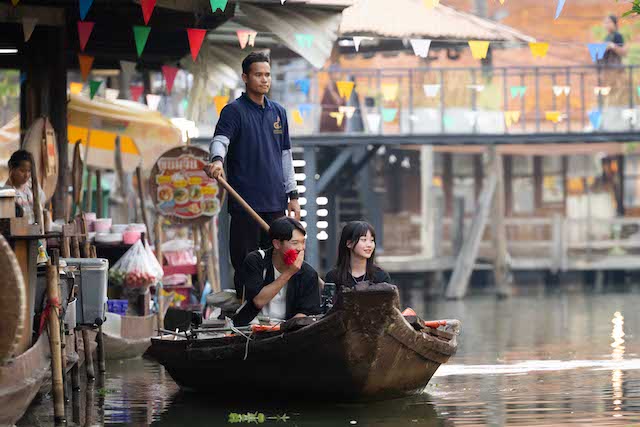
(635, 8)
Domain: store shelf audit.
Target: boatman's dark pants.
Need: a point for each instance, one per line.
(246, 236)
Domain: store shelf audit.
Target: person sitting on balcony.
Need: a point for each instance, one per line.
(20, 179)
(277, 284)
(356, 257)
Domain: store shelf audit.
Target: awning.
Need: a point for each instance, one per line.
(144, 134)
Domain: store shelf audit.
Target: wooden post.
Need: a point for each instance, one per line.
(35, 186)
(160, 258)
(141, 196)
(99, 206)
(465, 262)
(75, 247)
(53, 297)
(88, 201)
(457, 239)
(215, 287)
(88, 357)
(501, 271)
(75, 370)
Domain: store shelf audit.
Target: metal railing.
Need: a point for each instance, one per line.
(437, 101)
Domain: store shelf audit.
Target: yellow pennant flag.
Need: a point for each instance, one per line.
(345, 88)
(430, 4)
(511, 117)
(501, 1)
(479, 48)
(75, 87)
(220, 102)
(15, 2)
(389, 91)
(553, 116)
(539, 49)
(338, 116)
(297, 117)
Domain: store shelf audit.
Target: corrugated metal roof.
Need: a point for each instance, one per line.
(411, 18)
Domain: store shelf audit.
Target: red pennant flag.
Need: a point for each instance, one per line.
(136, 91)
(169, 74)
(196, 37)
(86, 62)
(84, 32)
(147, 9)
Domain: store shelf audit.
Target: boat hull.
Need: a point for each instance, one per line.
(363, 349)
(21, 378)
(130, 338)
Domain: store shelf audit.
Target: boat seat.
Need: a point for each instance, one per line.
(226, 300)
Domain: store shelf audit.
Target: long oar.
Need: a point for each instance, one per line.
(243, 203)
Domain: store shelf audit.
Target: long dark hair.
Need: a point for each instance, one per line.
(352, 233)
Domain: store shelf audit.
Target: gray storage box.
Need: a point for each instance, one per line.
(91, 279)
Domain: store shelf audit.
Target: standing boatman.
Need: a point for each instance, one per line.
(252, 135)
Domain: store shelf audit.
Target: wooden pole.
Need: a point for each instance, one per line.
(53, 297)
(501, 271)
(88, 201)
(75, 247)
(206, 242)
(465, 262)
(35, 186)
(243, 203)
(88, 357)
(160, 258)
(75, 370)
(141, 196)
(99, 206)
(198, 244)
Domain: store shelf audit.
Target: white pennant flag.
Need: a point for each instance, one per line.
(373, 122)
(559, 90)
(420, 47)
(357, 40)
(128, 67)
(111, 94)
(431, 91)
(347, 110)
(28, 25)
(630, 114)
(153, 101)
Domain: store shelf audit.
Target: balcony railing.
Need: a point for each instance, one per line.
(438, 101)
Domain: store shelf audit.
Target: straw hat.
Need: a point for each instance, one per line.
(13, 302)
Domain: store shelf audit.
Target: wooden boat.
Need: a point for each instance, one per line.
(21, 378)
(363, 348)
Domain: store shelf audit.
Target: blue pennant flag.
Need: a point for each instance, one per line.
(305, 109)
(85, 5)
(559, 8)
(389, 114)
(303, 85)
(597, 50)
(595, 117)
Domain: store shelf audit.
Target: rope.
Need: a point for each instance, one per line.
(46, 312)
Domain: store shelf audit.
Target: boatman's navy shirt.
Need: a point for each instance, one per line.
(257, 138)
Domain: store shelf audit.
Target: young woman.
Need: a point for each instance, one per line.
(356, 257)
(20, 179)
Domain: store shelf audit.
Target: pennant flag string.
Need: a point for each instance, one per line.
(338, 116)
(345, 88)
(218, 4)
(147, 9)
(559, 8)
(169, 73)
(420, 47)
(28, 25)
(85, 28)
(220, 101)
(246, 38)
(304, 41)
(597, 51)
(141, 34)
(539, 49)
(75, 88)
(85, 5)
(196, 36)
(136, 92)
(85, 62)
(479, 48)
(94, 85)
(153, 101)
(357, 40)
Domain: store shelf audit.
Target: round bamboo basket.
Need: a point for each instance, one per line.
(13, 302)
(40, 130)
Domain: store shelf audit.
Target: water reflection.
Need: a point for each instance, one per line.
(546, 360)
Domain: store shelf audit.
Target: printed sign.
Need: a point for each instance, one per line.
(181, 191)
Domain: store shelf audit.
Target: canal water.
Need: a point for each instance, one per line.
(551, 360)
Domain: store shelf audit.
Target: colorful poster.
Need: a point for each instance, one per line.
(180, 188)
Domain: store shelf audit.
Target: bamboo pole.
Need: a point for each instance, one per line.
(160, 258)
(99, 205)
(35, 186)
(53, 296)
(75, 247)
(75, 370)
(198, 243)
(141, 196)
(243, 203)
(88, 357)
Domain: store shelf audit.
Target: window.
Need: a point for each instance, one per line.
(552, 180)
(632, 181)
(522, 179)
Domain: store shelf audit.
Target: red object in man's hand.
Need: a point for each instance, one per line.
(290, 256)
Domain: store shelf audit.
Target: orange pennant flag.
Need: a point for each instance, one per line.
(479, 48)
(86, 62)
(220, 102)
(539, 49)
(345, 88)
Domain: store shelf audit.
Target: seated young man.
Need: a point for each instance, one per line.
(270, 286)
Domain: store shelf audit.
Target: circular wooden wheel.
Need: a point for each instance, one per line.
(12, 302)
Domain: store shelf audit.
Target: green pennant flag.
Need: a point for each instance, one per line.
(141, 33)
(94, 85)
(218, 4)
